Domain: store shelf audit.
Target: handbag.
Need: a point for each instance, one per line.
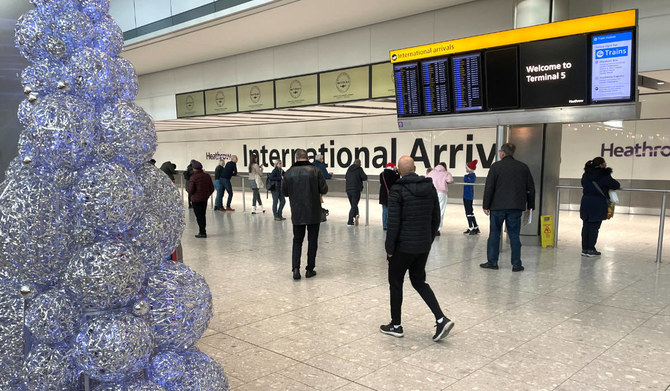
(610, 203)
(324, 213)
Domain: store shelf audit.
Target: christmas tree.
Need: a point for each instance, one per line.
(88, 295)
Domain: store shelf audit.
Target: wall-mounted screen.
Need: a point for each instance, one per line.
(407, 89)
(611, 67)
(502, 80)
(435, 86)
(467, 70)
(554, 72)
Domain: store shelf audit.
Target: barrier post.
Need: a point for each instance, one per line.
(558, 211)
(661, 227)
(244, 201)
(367, 203)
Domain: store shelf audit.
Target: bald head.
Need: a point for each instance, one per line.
(406, 165)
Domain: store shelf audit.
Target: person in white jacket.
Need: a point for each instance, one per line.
(441, 178)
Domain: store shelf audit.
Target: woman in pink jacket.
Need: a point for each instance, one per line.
(441, 177)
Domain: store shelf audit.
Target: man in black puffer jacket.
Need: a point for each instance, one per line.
(304, 184)
(413, 218)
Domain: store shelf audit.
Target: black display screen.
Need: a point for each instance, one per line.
(435, 86)
(407, 89)
(467, 71)
(553, 72)
(502, 80)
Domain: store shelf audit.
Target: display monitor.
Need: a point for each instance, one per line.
(467, 76)
(612, 67)
(407, 89)
(435, 86)
(501, 67)
(553, 72)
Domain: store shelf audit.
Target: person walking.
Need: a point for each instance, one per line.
(200, 187)
(386, 179)
(508, 192)
(469, 196)
(354, 185)
(597, 181)
(229, 171)
(414, 215)
(441, 178)
(218, 185)
(304, 185)
(274, 185)
(255, 182)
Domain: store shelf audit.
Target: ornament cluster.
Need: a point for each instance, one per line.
(87, 225)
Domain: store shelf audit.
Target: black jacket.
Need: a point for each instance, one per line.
(593, 207)
(354, 178)
(169, 168)
(414, 215)
(509, 185)
(386, 180)
(229, 171)
(275, 178)
(303, 184)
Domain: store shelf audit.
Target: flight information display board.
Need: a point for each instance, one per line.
(611, 66)
(467, 70)
(435, 83)
(407, 89)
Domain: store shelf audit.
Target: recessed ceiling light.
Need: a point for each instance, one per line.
(660, 83)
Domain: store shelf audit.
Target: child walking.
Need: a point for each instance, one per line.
(468, 196)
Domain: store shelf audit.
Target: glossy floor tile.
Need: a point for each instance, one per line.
(565, 323)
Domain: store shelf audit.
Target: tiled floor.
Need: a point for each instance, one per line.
(566, 323)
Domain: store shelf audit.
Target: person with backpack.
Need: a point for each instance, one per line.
(273, 184)
(386, 179)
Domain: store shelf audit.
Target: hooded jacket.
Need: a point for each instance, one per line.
(413, 215)
(354, 178)
(303, 185)
(593, 207)
(200, 186)
(441, 177)
(170, 169)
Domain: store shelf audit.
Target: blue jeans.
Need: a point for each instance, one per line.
(278, 196)
(229, 188)
(512, 219)
(218, 202)
(385, 215)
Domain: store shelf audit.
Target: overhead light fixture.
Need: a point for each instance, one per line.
(614, 124)
(660, 83)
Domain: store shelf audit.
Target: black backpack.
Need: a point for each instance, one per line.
(269, 184)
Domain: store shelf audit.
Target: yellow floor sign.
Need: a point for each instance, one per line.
(547, 227)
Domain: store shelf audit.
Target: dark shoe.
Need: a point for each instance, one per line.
(467, 231)
(229, 209)
(296, 274)
(201, 235)
(474, 231)
(283, 218)
(277, 218)
(595, 252)
(437, 233)
(442, 329)
(356, 220)
(517, 268)
(488, 266)
(586, 253)
(310, 273)
(390, 329)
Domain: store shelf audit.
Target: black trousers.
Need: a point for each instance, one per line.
(590, 231)
(312, 244)
(399, 263)
(354, 197)
(199, 209)
(469, 213)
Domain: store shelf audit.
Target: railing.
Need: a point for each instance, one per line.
(182, 185)
(661, 226)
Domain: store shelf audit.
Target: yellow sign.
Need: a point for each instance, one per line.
(345, 84)
(382, 80)
(547, 228)
(589, 24)
(221, 101)
(296, 91)
(190, 104)
(256, 96)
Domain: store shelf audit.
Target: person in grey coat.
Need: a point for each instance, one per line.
(354, 185)
(304, 184)
(508, 192)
